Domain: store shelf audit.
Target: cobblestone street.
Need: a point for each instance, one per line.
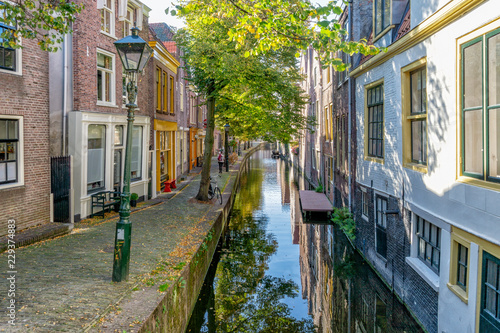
(64, 284)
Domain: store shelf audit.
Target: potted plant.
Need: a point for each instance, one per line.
(133, 199)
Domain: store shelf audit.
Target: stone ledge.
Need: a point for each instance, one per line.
(36, 234)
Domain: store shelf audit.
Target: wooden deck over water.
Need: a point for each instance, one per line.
(312, 201)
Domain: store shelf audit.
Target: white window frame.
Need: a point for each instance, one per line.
(19, 58)
(126, 21)
(111, 10)
(181, 96)
(20, 164)
(113, 78)
(429, 275)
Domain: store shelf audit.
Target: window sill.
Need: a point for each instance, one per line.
(9, 71)
(109, 35)
(109, 105)
(381, 34)
(425, 272)
(462, 294)
(416, 167)
(374, 159)
(12, 186)
(479, 183)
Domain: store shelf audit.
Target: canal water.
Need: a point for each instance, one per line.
(274, 273)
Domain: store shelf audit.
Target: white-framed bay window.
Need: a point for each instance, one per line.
(11, 151)
(105, 78)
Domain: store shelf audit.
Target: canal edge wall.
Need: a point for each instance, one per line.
(173, 311)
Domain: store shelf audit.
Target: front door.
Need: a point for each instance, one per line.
(489, 319)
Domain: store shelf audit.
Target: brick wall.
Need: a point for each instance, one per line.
(87, 39)
(27, 95)
(408, 285)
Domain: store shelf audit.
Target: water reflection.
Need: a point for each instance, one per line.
(262, 266)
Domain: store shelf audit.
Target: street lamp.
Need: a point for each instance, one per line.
(134, 53)
(226, 130)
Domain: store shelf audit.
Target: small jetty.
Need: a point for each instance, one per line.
(315, 206)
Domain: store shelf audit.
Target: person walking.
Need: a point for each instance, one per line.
(220, 159)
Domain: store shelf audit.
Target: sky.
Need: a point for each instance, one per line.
(158, 7)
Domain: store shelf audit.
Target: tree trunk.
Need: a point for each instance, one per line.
(209, 143)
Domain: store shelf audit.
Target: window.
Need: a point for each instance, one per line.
(7, 54)
(325, 123)
(315, 76)
(328, 70)
(342, 75)
(463, 254)
(375, 121)
(429, 243)
(136, 160)
(181, 96)
(490, 295)
(381, 225)
(313, 157)
(480, 115)
(105, 78)
(414, 99)
(338, 143)
(171, 95)
(382, 15)
(96, 161)
(158, 89)
(128, 21)
(364, 202)
(108, 17)
(330, 122)
(165, 95)
(9, 151)
(344, 144)
(459, 263)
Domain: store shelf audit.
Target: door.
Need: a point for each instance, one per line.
(381, 226)
(489, 318)
(60, 187)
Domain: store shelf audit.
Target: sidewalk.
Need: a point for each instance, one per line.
(64, 284)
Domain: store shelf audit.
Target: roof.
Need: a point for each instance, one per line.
(163, 31)
(171, 47)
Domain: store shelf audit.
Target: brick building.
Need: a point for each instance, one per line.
(24, 136)
(91, 123)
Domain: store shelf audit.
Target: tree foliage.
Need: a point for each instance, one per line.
(270, 25)
(44, 20)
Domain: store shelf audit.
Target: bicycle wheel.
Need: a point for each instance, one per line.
(210, 192)
(219, 195)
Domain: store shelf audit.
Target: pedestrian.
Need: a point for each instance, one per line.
(220, 159)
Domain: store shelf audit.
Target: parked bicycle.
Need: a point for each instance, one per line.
(214, 190)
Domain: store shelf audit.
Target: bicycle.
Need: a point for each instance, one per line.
(214, 191)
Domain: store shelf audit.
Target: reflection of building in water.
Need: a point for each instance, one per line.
(344, 294)
(295, 213)
(284, 180)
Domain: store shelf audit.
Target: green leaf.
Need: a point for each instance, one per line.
(167, 10)
(323, 24)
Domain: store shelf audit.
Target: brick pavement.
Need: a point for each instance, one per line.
(64, 284)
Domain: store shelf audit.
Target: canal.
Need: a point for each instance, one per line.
(274, 273)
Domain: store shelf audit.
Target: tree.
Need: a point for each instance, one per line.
(239, 57)
(264, 25)
(260, 93)
(45, 20)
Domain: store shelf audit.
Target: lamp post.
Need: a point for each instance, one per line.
(226, 149)
(134, 53)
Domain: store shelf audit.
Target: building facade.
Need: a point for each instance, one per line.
(95, 123)
(24, 137)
